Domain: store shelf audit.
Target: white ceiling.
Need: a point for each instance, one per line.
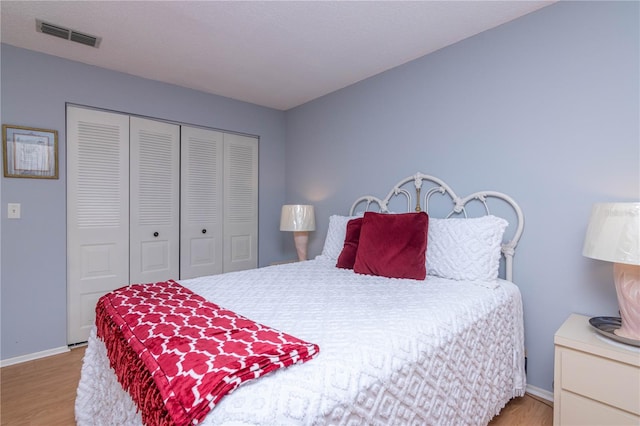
(270, 53)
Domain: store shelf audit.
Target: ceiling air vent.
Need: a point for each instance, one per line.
(66, 33)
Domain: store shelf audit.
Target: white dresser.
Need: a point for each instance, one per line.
(596, 382)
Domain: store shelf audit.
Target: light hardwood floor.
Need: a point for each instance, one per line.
(42, 392)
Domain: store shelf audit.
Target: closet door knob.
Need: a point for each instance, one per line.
(155, 234)
(204, 231)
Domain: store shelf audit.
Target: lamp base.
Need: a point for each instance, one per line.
(301, 238)
(607, 327)
(627, 281)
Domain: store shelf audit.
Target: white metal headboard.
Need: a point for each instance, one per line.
(459, 207)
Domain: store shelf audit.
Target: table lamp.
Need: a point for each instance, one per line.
(613, 235)
(300, 219)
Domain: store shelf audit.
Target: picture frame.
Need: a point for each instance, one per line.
(29, 152)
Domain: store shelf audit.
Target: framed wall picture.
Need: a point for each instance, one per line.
(30, 152)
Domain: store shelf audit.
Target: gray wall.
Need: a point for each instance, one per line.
(544, 108)
(35, 88)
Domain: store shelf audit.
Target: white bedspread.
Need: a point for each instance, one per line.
(434, 352)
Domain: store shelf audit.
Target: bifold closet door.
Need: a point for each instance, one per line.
(240, 249)
(201, 214)
(148, 201)
(97, 213)
(155, 201)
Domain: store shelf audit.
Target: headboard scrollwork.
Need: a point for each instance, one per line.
(459, 207)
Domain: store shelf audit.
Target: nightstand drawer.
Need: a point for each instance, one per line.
(580, 411)
(608, 381)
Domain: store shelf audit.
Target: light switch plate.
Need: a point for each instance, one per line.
(13, 211)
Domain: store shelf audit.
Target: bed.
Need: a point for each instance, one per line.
(446, 349)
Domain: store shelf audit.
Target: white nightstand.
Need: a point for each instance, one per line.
(596, 382)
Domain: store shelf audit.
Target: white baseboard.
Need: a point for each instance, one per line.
(35, 355)
(540, 393)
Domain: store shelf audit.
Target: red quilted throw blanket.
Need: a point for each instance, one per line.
(178, 354)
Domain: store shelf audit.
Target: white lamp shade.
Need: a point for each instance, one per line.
(297, 217)
(614, 233)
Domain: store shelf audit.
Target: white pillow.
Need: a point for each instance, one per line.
(465, 249)
(334, 242)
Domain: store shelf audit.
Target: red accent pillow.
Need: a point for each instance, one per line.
(348, 254)
(393, 245)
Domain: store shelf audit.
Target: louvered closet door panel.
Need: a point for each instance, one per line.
(201, 202)
(240, 202)
(97, 212)
(155, 200)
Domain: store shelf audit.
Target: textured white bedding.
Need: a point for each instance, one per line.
(392, 351)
